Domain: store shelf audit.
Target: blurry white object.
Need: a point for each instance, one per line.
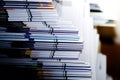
(101, 67)
(109, 77)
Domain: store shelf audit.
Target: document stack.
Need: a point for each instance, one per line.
(36, 45)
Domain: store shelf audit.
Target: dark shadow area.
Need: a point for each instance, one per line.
(111, 50)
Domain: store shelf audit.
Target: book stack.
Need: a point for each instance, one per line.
(36, 45)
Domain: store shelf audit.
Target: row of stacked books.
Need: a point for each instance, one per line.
(36, 45)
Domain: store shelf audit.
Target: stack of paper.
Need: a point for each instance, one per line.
(33, 40)
(28, 10)
(52, 70)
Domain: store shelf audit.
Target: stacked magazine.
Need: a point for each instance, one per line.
(36, 45)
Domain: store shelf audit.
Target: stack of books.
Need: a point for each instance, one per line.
(35, 44)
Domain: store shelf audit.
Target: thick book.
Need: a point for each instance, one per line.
(27, 4)
(38, 54)
(41, 45)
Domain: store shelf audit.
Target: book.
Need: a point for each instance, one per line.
(22, 4)
(62, 46)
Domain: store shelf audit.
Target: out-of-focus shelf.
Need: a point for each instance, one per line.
(105, 25)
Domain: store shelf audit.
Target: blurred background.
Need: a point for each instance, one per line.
(106, 17)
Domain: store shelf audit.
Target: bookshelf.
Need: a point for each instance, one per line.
(48, 40)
